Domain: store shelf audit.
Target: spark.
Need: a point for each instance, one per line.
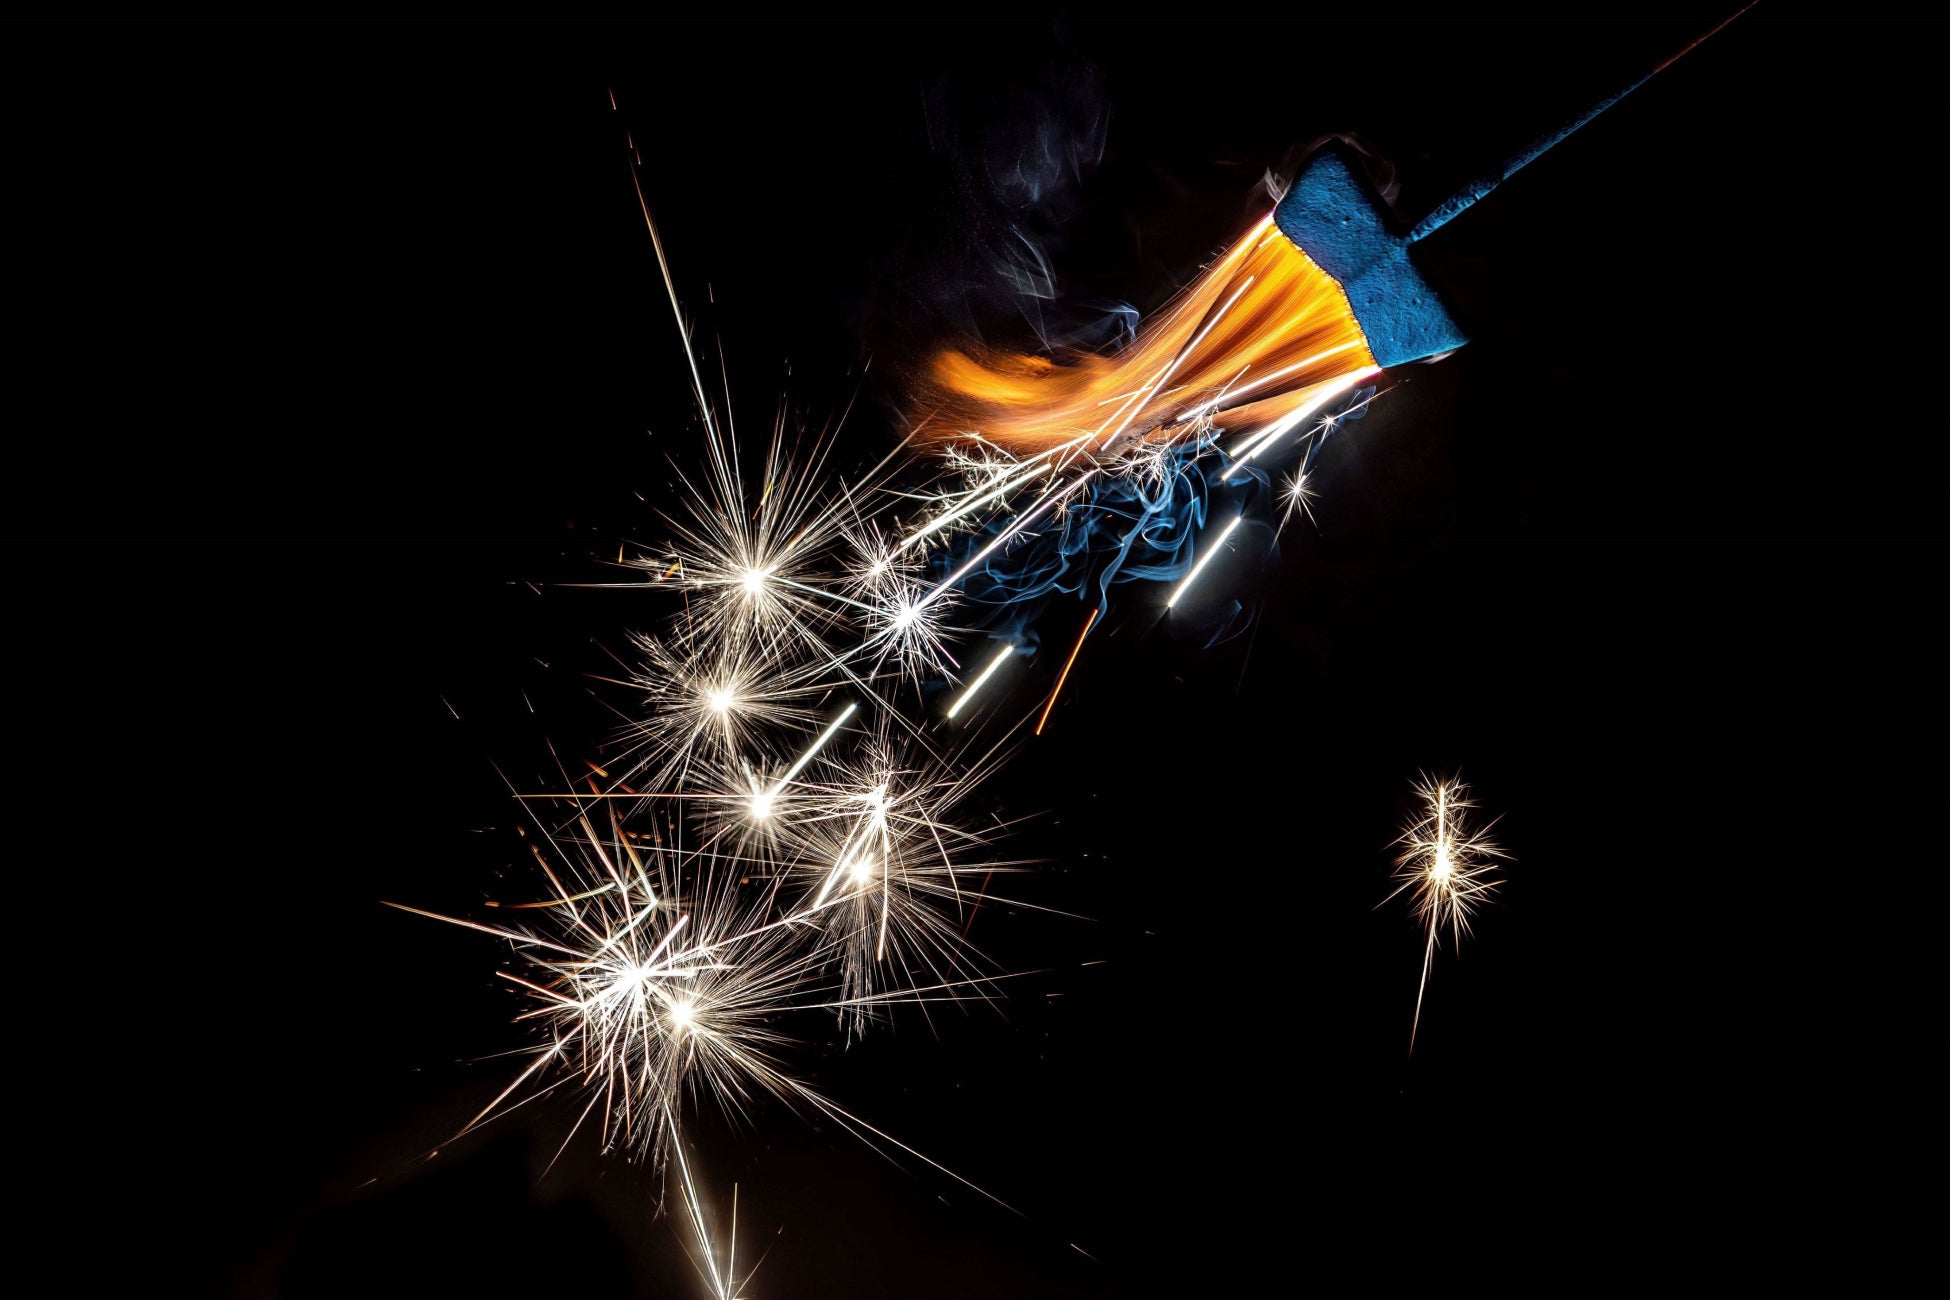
(909, 630)
(1002, 656)
(817, 745)
(839, 880)
(876, 568)
(664, 985)
(1199, 566)
(709, 704)
(1447, 867)
(879, 835)
(1298, 495)
(1273, 432)
(1064, 676)
(985, 494)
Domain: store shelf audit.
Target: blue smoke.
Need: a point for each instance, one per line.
(1124, 528)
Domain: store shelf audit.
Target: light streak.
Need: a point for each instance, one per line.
(1002, 538)
(1185, 583)
(1179, 360)
(1030, 470)
(1002, 656)
(817, 745)
(1064, 676)
(1286, 424)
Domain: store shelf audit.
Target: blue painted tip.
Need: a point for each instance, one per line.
(1337, 220)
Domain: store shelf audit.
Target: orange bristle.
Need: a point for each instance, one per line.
(1255, 335)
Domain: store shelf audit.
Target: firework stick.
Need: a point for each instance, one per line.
(1339, 222)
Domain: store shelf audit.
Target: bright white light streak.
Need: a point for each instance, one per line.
(1203, 560)
(1000, 657)
(1232, 394)
(676, 309)
(1178, 360)
(1001, 539)
(1286, 424)
(638, 920)
(817, 745)
(1010, 483)
(721, 1284)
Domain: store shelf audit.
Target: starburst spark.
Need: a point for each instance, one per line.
(908, 628)
(1446, 866)
(661, 975)
(756, 564)
(887, 868)
(710, 704)
(832, 877)
(876, 567)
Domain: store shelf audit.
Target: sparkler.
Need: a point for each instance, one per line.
(803, 857)
(1446, 867)
(830, 875)
(662, 974)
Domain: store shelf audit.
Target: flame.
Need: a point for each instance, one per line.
(1259, 333)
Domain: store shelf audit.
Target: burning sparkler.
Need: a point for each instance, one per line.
(1446, 867)
(803, 855)
(828, 872)
(663, 972)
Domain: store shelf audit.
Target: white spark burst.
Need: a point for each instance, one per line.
(1446, 867)
(713, 704)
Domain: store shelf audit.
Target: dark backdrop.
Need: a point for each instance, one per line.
(328, 341)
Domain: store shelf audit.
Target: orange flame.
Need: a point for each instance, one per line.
(1252, 339)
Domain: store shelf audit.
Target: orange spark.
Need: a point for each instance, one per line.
(1064, 676)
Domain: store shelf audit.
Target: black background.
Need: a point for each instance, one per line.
(327, 341)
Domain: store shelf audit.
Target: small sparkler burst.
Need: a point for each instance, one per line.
(750, 556)
(902, 877)
(713, 704)
(1447, 867)
(908, 627)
